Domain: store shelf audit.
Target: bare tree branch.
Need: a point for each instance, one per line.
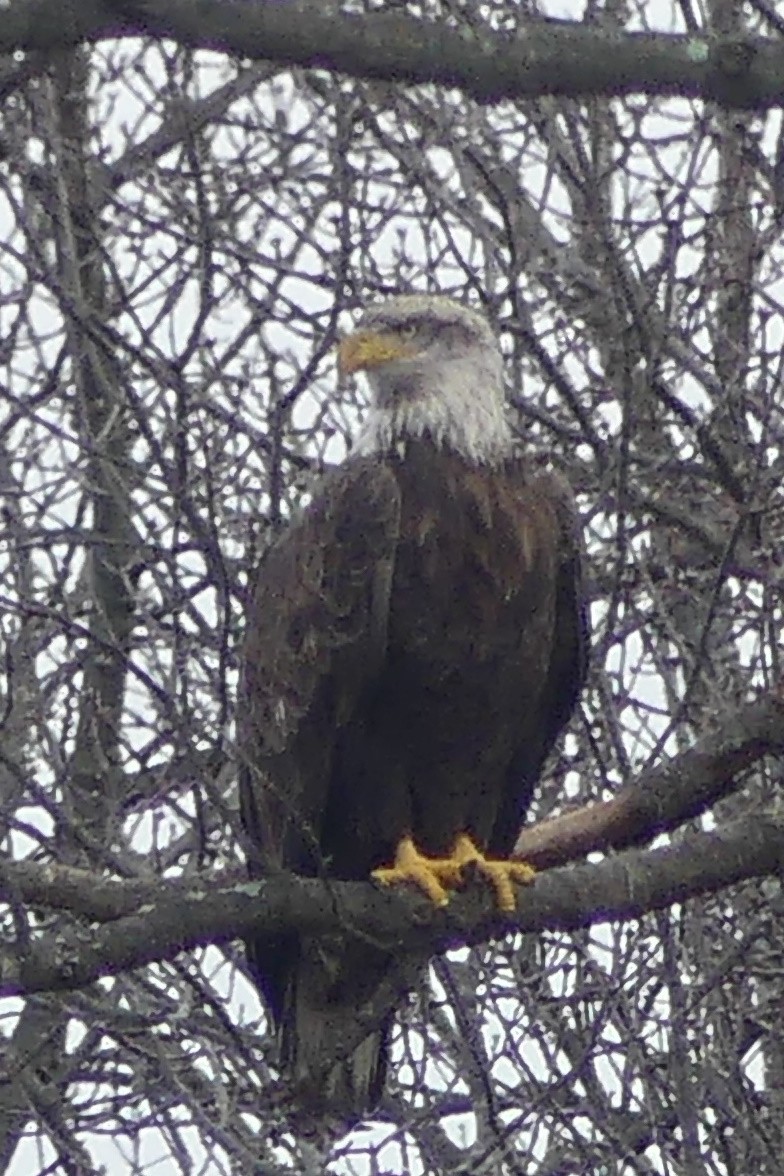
(540, 57)
(177, 916)
(666, 795)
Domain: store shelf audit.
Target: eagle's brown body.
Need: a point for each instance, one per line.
(414, 647)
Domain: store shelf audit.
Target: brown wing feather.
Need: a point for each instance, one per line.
(316, 635)
(566, 658)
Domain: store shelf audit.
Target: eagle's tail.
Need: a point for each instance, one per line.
(334, 1027)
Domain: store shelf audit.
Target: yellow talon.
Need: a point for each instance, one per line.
(431, 875)
(436, 876)
(500, 873)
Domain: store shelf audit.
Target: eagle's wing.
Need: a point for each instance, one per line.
(567, 665)
(571, 644)
(315, 637)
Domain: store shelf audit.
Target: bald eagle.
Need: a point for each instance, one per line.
(415, 642)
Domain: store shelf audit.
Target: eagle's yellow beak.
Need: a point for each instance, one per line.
(369, 349)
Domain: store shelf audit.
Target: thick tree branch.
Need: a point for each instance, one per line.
(146, 920)
(175, 916)
(545, 57)
(664, 796)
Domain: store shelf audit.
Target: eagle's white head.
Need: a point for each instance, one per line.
(435, 370)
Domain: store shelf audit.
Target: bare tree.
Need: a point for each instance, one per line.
(184, 235)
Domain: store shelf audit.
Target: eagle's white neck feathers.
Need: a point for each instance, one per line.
(460, 407)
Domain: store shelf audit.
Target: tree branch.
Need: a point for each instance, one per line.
(146, 920)
(542, 57)
(177, 916)
(666, 795)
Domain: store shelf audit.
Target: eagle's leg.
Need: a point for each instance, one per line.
(431, 875)
(500, 873)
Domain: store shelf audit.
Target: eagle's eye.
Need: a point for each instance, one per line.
(408, 332)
